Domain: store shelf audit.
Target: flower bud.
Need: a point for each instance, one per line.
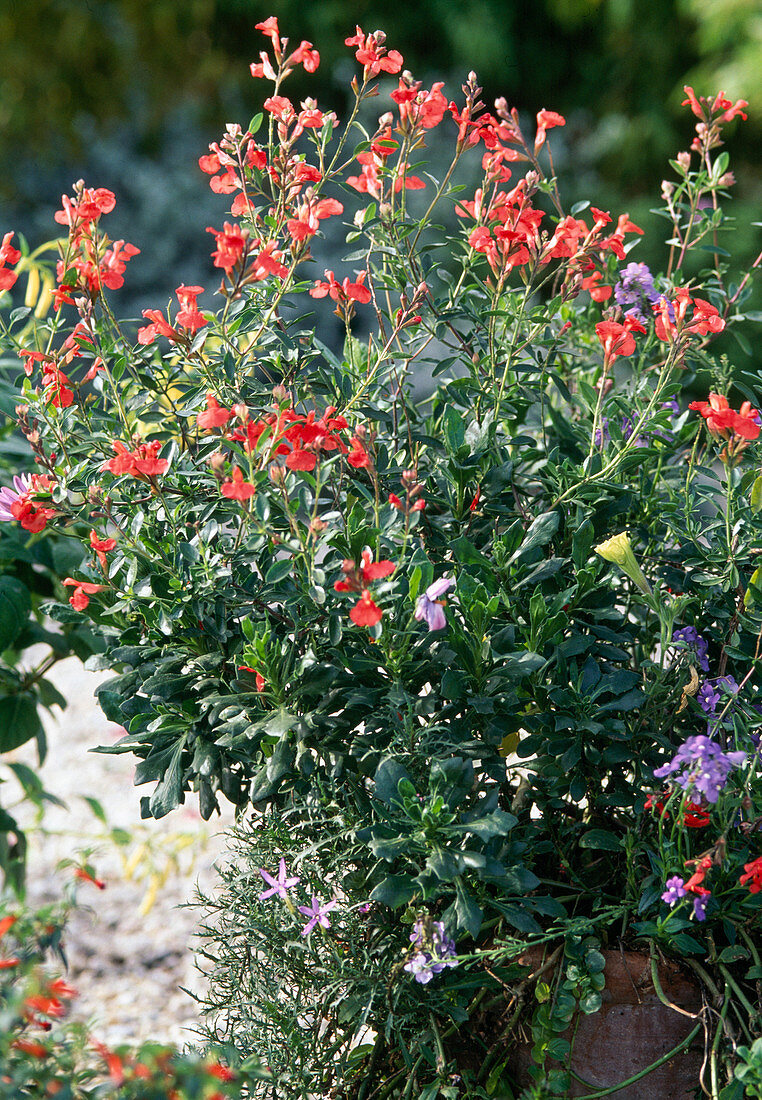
(618, 549)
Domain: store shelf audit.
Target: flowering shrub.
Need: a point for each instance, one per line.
(413, 632)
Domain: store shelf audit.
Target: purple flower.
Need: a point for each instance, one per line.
(675, 890)
(21, 484)
(710, 694)
(602, 434)
(699, 645)
(419, 968)
(627, 429)
(634, 289)
(702, 766)
(699, 905)
(436, 950)
(317, 912)
(427, 608)
(672, 405)
(279, 885)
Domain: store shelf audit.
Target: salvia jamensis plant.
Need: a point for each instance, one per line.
(475, 657)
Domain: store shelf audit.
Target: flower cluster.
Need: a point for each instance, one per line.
(695, 643)
(700, 766)
(433, 950)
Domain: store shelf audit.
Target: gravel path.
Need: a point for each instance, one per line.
(130, 946)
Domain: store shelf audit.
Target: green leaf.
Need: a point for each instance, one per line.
(279, 570)
(756, 495)
(601, 839)
(468, 913)
(19, 721)
(15, 605)
(540, 531)
(387, 778)
(395, 891)
(169, 790)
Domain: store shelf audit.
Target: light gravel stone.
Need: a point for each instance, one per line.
(129, 956)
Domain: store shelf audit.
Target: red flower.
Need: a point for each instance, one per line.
(238, 489)
(83, 590)
(299, 459)
(84, 874)
(101, 547)
(343, 292)
(215, 415)
(231, 243)
(189, 316)
(358, 456)
(6, 923)
(615, 338)
(545, 121)
(722, 421)
(372, 54)
(28, 1046)
(144, 461)
(753, 875)
(365, 612)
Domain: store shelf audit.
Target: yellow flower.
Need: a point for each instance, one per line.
(618, 549)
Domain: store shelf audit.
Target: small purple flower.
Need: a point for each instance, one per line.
(691, 637)
(317, 912)
(427, 608)
(712, 692)
(672, 405)
(21, 484)
(628, 427)
(634, 289)
(699, 905)
(279, 885)
(675, 890)
(436, 951)
(364, 908)
(702, 766)
(602, 434)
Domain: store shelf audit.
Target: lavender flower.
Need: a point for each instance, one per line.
(699, 905)
(702, 766)
(279, 885)
(628, 426)
(427, 608)
(602, 434)
(710, 694)
(672, 405)
(436, 951)
(675, 890)
(317, 912)
(699, 645)
(21, 484)
(634, 289)
(419, 968)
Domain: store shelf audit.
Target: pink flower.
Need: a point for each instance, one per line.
(317, 914)
(279, 885)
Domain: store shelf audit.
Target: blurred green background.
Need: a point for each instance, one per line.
(128, 94)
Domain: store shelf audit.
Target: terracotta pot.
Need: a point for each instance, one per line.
(632, 1029)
